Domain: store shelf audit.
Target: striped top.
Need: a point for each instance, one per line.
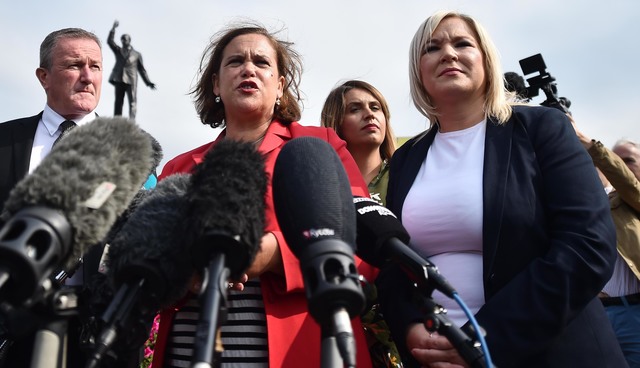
(244, 333)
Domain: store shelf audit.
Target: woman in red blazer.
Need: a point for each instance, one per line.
(249, 85)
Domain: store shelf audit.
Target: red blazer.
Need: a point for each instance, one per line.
(293, 335)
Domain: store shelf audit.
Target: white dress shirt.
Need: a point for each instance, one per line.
(47, 132)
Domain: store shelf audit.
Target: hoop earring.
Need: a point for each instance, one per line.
(217, 99)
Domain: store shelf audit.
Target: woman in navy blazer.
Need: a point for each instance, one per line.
(506, 202)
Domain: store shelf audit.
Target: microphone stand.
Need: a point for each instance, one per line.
(330, 356)
(51, 340)
(213, 246)
(116, 318)
(50, 344)
(213, 313)
(334, 296)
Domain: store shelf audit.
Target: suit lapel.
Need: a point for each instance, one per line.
(23, 142)
(16, 140)
(497, 155)
(415, 157)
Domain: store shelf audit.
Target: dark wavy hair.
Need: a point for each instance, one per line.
(289, 66)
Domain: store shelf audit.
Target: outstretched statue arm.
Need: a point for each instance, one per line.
(110, 41)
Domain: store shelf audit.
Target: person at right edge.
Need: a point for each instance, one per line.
(621, 295)
(505, 201)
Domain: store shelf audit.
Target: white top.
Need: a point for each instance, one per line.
(623, 281)
(443, 214)
(47, 132)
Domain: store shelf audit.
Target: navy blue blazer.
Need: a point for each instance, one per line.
(16, 140)
(549, 245)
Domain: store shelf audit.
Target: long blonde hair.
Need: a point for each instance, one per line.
(497, 100)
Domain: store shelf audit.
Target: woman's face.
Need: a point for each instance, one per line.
(364, 123)
(248, 81)
(452, 66)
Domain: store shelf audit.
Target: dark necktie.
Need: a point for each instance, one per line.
(65, 128)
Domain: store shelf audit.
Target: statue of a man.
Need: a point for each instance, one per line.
(124, 76)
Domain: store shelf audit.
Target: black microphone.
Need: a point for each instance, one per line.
(226, 218)
(382, 238)
(97, 291)
(313, 204)
(148, 264)
(69, 203)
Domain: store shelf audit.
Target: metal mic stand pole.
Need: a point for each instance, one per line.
(213, 313)
(329, 355)
(334, 296)
(50, 345)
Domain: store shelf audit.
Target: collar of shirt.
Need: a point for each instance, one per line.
(52, 119)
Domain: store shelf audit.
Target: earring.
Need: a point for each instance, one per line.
(278, 101)
(217, 99)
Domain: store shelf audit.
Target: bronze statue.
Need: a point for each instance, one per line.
(124, 76)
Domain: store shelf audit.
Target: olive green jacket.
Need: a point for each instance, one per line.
(624, 201)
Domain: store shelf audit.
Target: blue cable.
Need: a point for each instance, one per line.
(476, 327)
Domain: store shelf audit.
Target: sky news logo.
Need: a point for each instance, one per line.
(318, 233)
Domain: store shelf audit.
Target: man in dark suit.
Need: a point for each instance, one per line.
(124, 75)
(70, 72)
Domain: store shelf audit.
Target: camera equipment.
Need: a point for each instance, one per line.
(544, 81)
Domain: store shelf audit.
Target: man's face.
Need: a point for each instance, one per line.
(631, 156)
(74, 80)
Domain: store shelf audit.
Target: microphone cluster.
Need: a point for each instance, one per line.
(69, 203)
(87, 192)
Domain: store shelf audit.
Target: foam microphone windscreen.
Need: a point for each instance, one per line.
(90, 177)
(227, 201)
(150, 245)
(312, 195)
(375, 225)
(157, 154)
(124, 217)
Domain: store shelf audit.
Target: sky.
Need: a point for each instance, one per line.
(590, 48)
